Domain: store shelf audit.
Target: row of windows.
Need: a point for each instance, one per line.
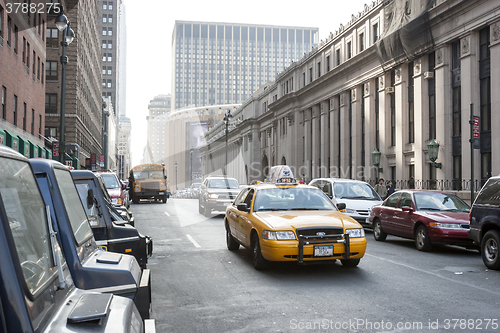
(16, 108)
(38, 26)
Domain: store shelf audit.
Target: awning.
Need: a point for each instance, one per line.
(12, 140)
(2, 137)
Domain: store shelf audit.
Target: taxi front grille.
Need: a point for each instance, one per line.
(320, 232)
(322, 235)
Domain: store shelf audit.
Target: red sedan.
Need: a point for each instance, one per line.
(428, 217)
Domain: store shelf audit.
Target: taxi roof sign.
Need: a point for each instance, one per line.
(278, 173)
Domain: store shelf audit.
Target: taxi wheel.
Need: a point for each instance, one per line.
(232, 244)
(378, 234)
(349, 262)
(422, 240)
(258, 260)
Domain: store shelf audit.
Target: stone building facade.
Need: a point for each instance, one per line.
(326, 114)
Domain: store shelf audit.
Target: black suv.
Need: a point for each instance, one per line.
(485, 222)
(216, 193)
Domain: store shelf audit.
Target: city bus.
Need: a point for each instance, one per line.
(148, 181)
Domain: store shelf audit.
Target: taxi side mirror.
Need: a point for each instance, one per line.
(90, 198)
(243, 207)
(341, 206)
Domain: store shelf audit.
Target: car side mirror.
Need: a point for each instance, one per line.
(124, 187)
(90, 198)
(407, 209)
(341, 206)
(243, 207)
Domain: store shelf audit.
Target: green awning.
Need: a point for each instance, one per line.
(24, 147)
(42, 152)
(3, 138)
(12, 140)
(33, 149)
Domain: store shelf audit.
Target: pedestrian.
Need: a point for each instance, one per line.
(381, 189)
(302, 181)
(390, 188)
(411, 183)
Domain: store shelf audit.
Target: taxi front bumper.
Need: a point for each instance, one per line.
(303, 250)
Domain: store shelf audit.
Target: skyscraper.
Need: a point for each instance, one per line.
(159, 109)
(224, 63)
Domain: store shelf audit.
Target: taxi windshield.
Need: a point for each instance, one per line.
(291, 198)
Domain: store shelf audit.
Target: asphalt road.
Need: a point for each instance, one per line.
(201, 286)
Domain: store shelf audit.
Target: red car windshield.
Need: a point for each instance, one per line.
(440, 202)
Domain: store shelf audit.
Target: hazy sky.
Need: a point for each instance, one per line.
(149, 39)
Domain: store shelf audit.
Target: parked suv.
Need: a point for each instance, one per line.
(485, 222)
(216, 193)
(359, 197)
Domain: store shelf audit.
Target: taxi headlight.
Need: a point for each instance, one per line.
(350, 211)
(446, 225)
(278, 235)
(355, 233)
(213, 196)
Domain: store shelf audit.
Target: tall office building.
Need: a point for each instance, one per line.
(109, 23)
(224, 63)
(159, 109)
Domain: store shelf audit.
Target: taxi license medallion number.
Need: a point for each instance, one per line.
(323, 251)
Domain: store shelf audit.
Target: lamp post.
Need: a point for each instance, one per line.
(63, 24)
(176, 176)
(433, 150)
(227, 116)
(376, 160)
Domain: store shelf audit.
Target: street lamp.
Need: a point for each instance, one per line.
(227, 116)
(376, 160)
(176, 176)
(433, 150)
(63, 24)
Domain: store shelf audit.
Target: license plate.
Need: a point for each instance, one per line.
(161, 193)
(323, 251)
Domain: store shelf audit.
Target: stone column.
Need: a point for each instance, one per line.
(324, 142)
(307, 145)
(369, 92)
(400, 91)
(356, 131)
(315, 137)
(420, 105)
(444, 112)
(495, 97)
(333, 135)
(384, 123)
(344, 135)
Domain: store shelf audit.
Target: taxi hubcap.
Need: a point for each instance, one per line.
(491, 250)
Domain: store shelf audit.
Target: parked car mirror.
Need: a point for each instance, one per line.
(341, 206)
(90, 198)
(407, 209)
(243, 207)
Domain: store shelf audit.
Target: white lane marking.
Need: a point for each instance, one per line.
(195, 243)
(465, 284)
(167, 214)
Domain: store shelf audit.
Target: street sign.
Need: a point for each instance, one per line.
(475, 132)
(55, 148)
(93, 156)
(101, 161)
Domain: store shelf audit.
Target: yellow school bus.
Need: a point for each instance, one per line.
(148, 181)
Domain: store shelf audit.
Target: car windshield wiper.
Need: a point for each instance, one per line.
(306, 208)
(430, 208)
(358, 197)
(270, 209)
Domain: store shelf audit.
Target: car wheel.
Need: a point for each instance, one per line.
(135, 200)
(232, 244)
(207, 211)
(489, 249)
(258, 260)
(165, 199)
(200, 208)
(378, 233)
(350, 262)
(422, 240)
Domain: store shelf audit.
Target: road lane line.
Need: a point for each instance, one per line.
(465, 284)
(167, 214)
(195, 243)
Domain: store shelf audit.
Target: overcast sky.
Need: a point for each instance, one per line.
(149, 39)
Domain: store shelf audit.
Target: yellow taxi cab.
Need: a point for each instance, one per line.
(281, 220)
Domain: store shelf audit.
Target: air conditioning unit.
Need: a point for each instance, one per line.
(428, 75)
(389, 90)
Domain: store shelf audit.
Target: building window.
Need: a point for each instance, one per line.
(105, 5)
(110, 31)
(393, 112)
(349, 50)
(328, 63)
(28, 55)
(50, 103)
(51, 132)
(16, 39)
(15, 110)
(361, 42)
(34, 64)
(109, 83)
(104, 31)
(51, 71)
(52, 37)
(24, 50)
(110, 5)
(43, 71)
(104, 44)
(310, 75)
(104, 57)
(375, 33)
(338, 56)
(432, 98)
(319, 69)
(411, 104)
(25, 109)
(104, 83)
(110, 44)
(38, 69)
(104, 18)
(110, 57)
(110, 18)
(32, 122)
(9, 30)
(1, 21)
(110, 70)
(4, 103)
(39, 124)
